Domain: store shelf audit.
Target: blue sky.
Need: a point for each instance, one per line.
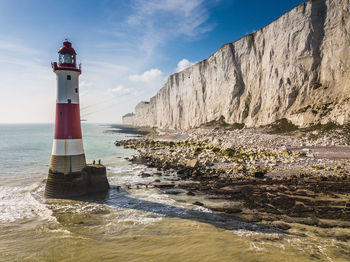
(127, 48)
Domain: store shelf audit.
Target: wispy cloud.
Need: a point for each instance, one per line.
(153, 23)
(184, 17)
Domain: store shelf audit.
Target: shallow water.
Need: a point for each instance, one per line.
(142, 224)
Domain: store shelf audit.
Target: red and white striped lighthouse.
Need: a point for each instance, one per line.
(67, 152)
(69, 175)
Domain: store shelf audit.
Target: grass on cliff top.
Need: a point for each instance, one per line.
(221, 123)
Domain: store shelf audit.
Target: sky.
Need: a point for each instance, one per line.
(127, 48)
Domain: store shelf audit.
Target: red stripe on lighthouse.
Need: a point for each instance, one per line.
(67, 124)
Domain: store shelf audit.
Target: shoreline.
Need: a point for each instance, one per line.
(269, 179)
(131, 130)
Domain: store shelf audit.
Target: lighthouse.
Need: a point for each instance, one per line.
(69, 175)
(67, 150)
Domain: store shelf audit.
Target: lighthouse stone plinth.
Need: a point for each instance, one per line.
(69, 175)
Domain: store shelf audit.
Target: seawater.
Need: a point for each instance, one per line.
(130, 223)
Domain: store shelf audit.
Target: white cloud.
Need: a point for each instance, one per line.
(183, 64)
(150, 76)
(119, 90)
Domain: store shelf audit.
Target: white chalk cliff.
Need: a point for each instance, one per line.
(297, 67)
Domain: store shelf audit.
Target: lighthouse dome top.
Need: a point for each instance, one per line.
(66, 58)
(67, 55)
(67, 48)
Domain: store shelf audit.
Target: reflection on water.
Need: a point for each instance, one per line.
(143, 225)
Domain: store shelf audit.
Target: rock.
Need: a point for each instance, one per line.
(190, 193)
(229, 209)
(311, 221)
(192, 163)
(300, 207)
(164, 185)
(197, 203)
(281, 225)
(145, 175)
(342, 236)
(208, 163)
(181, 171)
(174, 191)
(259, 174)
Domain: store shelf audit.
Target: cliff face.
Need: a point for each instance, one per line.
(128, 119)
(297, 67)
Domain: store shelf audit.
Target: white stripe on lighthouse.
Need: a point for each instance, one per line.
(67, 147)
(67, 89)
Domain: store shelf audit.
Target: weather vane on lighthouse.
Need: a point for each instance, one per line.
(69, 175)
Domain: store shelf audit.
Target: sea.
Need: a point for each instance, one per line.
(130, 222)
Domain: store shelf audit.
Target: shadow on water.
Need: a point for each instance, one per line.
(122, 199)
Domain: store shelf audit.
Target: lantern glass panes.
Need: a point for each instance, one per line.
(66, 58)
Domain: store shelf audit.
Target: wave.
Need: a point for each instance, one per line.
(23, 203)
(129, 175)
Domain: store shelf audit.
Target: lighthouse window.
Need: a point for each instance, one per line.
(68, 77)
(66, 58)
(60, 113)
(69, 101)
(76, 90)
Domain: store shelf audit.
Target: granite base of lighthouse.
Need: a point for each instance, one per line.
(91, 179)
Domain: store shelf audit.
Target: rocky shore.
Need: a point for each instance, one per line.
(275, 175)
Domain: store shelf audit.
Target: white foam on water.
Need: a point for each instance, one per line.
(154, 197)
(20, 204)
(255, 247)
(202, 209)
(65, 232)
(324, 252)
(134, 217)
(128, 169)
(129, 175)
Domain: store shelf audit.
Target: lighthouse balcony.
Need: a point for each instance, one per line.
(65, 66)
